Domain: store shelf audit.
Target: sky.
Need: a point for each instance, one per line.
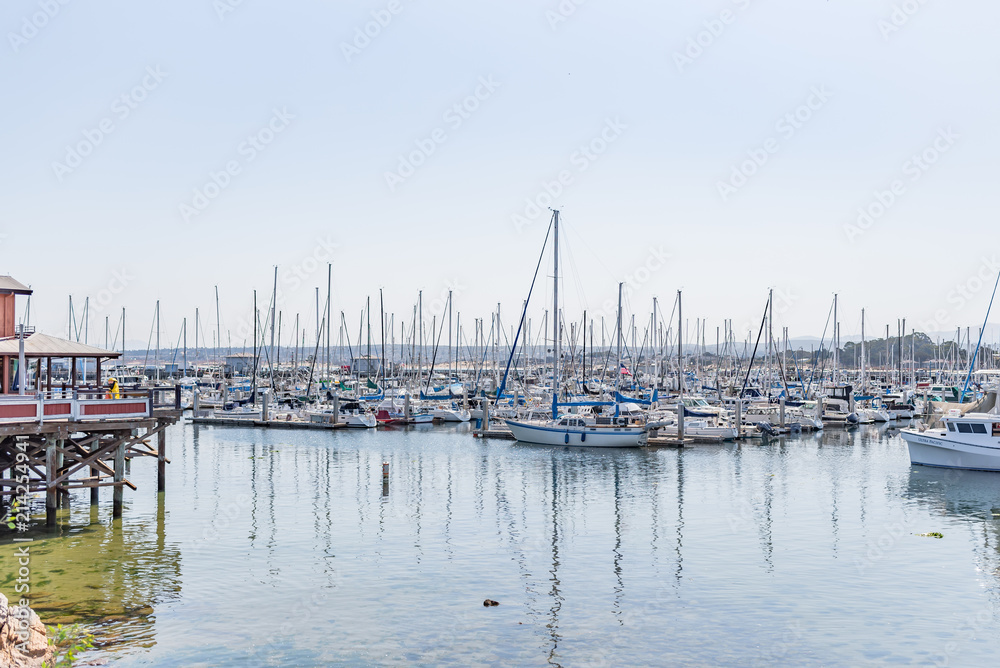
(156, 151)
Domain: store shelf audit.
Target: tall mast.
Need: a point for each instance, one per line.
(555, 314)
(450, 371)
(836, 341)
(329, 292)
(618, 367)
(218, 330)
(680, 350)
(863, 383)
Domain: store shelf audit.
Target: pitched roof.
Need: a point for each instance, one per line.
(43, 345)
(9, 286)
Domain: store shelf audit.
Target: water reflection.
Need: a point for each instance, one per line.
(112, 575)
(592, 553)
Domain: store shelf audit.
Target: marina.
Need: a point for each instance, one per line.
(788, 552)
(499, 334)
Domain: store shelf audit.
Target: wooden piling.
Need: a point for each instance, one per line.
(119, 493)
(680, 421)
(62, 495)
(51, 472)
(161, 461)
(739, 417)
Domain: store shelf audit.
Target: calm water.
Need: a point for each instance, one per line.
(284, 548)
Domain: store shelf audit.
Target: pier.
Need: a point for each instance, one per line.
(60, 437)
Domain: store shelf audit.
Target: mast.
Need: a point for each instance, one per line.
(329, 293)
(274, 305)
(863, 382)
(680, 350)
(618, 367)
(218, 332)
(555, 314)
(836, 341)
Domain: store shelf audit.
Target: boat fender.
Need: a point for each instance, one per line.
(583, 437)
(852, 418)
(567, 438)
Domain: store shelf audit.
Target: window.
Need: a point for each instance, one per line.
(978, 428)
(964, 428)
(951, 426)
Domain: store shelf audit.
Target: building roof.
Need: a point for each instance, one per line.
(43, 345)
(9, 286)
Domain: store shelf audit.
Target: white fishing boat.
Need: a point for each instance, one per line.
(970, 441)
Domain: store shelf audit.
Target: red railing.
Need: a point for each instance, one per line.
(87, 404)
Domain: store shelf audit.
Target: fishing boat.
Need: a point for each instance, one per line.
(572, 429)
(970, 441)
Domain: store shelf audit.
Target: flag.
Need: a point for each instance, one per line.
(625, 370)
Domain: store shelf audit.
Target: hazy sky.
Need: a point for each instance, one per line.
(156, 150)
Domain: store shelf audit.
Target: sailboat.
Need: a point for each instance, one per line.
(591, 430)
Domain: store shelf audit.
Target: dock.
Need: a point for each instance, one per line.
(267, 424)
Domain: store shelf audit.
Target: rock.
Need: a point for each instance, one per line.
(30, 652)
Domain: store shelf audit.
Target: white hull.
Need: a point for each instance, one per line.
(930, 450)
(588, 437)
(451, 415)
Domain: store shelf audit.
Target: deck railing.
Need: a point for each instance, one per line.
(82, 404)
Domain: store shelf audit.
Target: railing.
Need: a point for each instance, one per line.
(87, 404)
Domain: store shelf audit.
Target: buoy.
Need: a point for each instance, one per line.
(385, 469)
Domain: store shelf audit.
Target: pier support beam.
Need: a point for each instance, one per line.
(161, 460)
(680, 421)
(119, 493)
(51, 491)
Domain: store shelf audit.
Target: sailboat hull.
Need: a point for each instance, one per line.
(586, 437)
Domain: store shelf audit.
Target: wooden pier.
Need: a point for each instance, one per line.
(57, 444)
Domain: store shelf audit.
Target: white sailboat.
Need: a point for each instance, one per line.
(577, 430)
